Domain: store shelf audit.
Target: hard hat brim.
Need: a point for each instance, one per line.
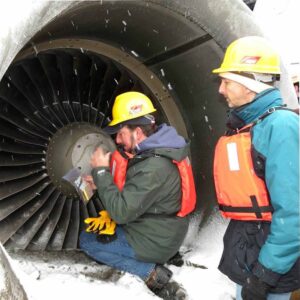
(219, 70)
(275, 70)
(112, 129)
(144, 120)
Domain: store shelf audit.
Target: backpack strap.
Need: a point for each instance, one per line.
(273, 109)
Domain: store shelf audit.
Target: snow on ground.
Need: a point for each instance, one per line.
(74, 276)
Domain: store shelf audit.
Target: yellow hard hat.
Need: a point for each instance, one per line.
(130, 105)
(252, 54)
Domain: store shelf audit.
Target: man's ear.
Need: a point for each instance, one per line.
(251, 94)
(139, 134)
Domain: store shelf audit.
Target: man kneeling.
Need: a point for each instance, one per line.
(144, 197)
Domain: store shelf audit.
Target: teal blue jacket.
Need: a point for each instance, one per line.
(276, 138)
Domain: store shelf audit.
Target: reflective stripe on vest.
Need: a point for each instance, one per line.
(118, 166)
(241, 194)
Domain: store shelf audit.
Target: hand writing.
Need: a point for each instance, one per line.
(89, 180)
(100, 159)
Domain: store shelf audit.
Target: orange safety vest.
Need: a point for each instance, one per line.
(118, 166)
(241, 194)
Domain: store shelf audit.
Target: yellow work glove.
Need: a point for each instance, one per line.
(97, 224)
(110, 227)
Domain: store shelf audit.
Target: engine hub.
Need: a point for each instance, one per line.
(72, 147)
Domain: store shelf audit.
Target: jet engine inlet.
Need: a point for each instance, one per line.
(53, 107)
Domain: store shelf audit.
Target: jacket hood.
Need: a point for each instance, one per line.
(261, 103)
(165, 142)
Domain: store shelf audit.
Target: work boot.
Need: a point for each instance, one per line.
(159, 283)
(158, 278)
(172, 291)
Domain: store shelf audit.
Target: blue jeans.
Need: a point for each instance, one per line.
(117, 254)
(283, 296)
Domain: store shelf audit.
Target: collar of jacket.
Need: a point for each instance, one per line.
(165, 137)
(261, 103)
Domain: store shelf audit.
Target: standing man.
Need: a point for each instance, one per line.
(256, 171)
(145, 198)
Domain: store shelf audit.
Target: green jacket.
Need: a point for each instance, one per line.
(147, 206)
